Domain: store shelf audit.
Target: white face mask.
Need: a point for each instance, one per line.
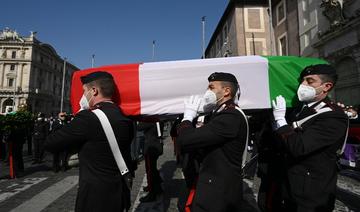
(306, 93)
(84, 103)
(209, 101)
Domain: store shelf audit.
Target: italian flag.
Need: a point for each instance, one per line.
(159, 88)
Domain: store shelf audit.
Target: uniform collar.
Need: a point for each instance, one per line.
(312, 108)
(225, 105)
(315, 104)
(101, 104)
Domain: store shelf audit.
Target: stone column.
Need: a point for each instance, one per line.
(2, 74)
(1, 104)
(21, 75)
(16, 84)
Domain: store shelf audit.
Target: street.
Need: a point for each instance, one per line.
(43, 190)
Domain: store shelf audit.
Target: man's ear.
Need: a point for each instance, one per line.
(328, 86)
(95, 91)
(227, 91)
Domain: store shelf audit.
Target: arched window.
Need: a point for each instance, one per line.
(6, 103)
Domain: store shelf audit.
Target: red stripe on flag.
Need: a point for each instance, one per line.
(127, 94)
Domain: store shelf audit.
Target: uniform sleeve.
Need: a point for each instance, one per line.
(219, 130)
(70, 136)
(325, 131)
(144, 126)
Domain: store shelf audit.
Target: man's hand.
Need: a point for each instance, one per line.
(191, 107)
(279, 110)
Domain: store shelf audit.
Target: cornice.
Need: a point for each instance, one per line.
(329, 35)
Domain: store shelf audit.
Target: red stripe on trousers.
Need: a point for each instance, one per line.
(190, 198)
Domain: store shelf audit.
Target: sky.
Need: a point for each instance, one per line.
(116, 31)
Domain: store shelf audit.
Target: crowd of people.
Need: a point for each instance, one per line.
(297, 148)
(33, 132)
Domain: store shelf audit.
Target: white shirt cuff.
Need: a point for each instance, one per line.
(188, 118)
(279, 123)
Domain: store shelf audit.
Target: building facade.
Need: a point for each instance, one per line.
(339, 43)
(309, 16)
(327, 29)
(31, 74)
(242, 30)
(285, 25)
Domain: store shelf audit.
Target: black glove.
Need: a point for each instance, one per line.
(128, 178)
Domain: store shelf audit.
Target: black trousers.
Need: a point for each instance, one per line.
(38, 149)
(17, 152)
(60, 160)
(292, 206)
(2, 150)
(269, 196)
(152, 173)
(29, 144)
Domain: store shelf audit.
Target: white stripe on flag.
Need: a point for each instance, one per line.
(165, 85)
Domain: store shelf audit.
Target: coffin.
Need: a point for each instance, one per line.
(159, 88)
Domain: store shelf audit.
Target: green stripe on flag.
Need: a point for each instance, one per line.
(284, 73)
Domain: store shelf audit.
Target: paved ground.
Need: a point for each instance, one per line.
(42, 190)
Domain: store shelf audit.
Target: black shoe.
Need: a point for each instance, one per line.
(64, 168)
(150, 197)
(19, 174)
(56, 169)
(146, 188)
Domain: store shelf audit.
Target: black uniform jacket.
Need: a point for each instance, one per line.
(41, 130)
(153, 143)
(57, 124)
(101, 187)
(222, 141)
(311, 156)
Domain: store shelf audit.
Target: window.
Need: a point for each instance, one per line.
(7, 105)
(306, 40)
(10, 82)
(254, 19)
(212, 51)
(3, 53)
(221, 41)
(23, 52)
(283, 47)
(306, 12)
(280, 12)
(217, 45)
(13, 54)
(12, 67)
(225, 33)
(258, 43)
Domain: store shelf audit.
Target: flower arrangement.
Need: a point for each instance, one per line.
(16, 121)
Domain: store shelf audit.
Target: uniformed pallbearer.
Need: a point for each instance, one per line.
(312, 142)
(101, 186)
(221, 142)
